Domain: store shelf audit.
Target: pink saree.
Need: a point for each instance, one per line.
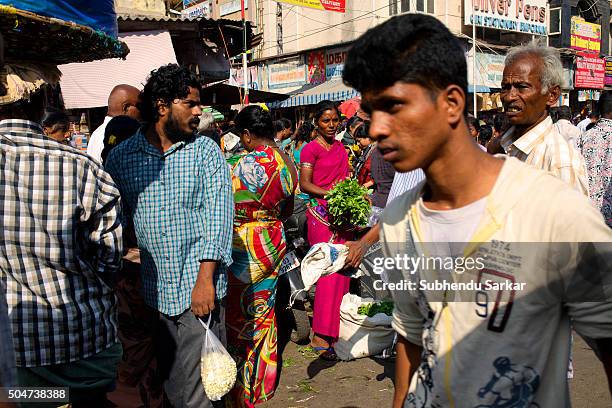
(328, 168)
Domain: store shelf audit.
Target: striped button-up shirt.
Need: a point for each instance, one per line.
(403, 182)
(182, 208)
(544, 148)
(60, 247)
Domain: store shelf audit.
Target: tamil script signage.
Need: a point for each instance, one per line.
(590, 71)
(608, 78)
(585, 36)
(329, 5)
(523, 16)
(334, 62)
(231, 7)
(202, 9)
(287, 74)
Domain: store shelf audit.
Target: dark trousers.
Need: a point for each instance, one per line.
(178, 348)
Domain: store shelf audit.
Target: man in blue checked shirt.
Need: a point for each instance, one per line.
(177, 192)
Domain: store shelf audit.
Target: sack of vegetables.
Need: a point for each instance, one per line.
(348, 204)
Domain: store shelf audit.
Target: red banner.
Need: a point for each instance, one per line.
(590, 71)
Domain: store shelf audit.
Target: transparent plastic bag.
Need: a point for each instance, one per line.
(217, 367)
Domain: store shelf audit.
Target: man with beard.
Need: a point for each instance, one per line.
(176, 190)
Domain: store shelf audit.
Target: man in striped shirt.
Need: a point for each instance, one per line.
(530, 86)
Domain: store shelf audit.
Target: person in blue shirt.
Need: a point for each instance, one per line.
(176, 190)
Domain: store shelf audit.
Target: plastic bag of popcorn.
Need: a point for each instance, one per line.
(217, 367)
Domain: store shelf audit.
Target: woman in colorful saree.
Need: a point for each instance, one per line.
(324, 162)
(264, 180)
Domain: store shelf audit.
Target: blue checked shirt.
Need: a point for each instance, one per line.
(182, 208)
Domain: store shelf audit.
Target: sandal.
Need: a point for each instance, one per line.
(326, 353)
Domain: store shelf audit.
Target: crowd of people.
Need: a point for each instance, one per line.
(112, 260)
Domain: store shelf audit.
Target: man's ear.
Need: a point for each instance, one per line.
(454, 103)
(162, 108)
(553, 96)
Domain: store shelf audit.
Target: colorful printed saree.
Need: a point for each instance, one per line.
(262, 183)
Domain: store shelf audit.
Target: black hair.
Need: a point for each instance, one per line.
(564, 112)
(591, 125)
(166, 84)
(472, 121)
(256, 120)
(605, 104)
(363, 131)
(286, 123)
(304, 132)
(500, 122)
(55, 120)
(485, 134)
(279, 126)
(322, 107)
(118, 129)
(411, 48)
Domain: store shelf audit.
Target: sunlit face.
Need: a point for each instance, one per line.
(184, 116)
(521, 92)
(327, 125)
(408, 124)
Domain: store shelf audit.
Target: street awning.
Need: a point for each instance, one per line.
(333, 90)
(225, 94)
(88, 85)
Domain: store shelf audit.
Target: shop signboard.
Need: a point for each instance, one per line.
(585, 36)
(523, 16)
(489, 69)
(199, 9)
(608, 78)
(590, 71)
(334, 62)
(316, 67)
(328, 5)
(287, 74)
(231, 7)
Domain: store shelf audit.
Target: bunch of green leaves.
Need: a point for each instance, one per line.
(348, 205)
(370, 309)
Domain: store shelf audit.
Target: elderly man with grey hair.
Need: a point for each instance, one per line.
(531, 84)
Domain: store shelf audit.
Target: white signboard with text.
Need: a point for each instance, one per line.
(523, 16)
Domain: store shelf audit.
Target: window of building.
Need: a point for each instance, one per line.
(405, 6)
(555, 21)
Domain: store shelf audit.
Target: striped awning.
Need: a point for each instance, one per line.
(333, 90)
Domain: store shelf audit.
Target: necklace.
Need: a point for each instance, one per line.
(323, 143)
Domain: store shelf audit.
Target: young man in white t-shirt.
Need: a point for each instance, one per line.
(540, 242)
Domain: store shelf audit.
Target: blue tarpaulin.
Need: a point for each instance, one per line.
(97, 14)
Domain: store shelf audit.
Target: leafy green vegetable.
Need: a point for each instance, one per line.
(370, 309)
(348, 205)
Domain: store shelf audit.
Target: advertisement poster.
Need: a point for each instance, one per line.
(590, 71)
(585, 36)
(316, 67)
(523, 16)
(334, 62)
(489, 69)
(199, 9)
(287, 74)
(608, 79)
(328, 5)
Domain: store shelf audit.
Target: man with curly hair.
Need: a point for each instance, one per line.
(177, 192)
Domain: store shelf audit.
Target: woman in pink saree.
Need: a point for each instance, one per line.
(324, 162)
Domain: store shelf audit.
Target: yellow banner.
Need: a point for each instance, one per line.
(330, 5)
